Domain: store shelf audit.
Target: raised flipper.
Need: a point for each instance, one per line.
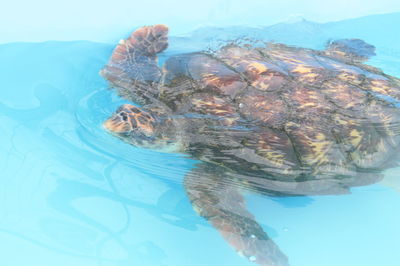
(355, 50)
(215, 197)
(133, 68)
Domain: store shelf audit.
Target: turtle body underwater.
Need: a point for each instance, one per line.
(271, 119)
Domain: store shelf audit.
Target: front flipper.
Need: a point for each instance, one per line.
(133, 69)
(355, 50)
(217, 199)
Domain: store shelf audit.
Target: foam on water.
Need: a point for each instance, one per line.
(71, 194)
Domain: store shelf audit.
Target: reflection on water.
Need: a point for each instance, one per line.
(73, 195)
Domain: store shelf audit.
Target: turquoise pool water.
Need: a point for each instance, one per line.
(71, 194)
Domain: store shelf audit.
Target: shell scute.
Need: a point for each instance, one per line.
(274, 151)
(343, 95)
(317, 149)
(258, 72)
(213, 75)
(212, 105)
(267, 108)
(307, 103)
(360, 139)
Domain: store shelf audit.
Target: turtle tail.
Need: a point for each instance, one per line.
(133, 67)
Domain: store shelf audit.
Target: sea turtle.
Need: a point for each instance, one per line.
(271, 118)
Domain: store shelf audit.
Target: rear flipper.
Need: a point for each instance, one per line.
(133, 67)
(350, 50)
(216, 199)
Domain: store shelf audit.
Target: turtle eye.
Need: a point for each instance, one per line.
(124, 116)
(158, 34)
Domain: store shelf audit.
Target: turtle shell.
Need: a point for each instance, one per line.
(292, 113)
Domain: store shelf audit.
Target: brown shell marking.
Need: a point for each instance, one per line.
(219, 107)
(212, 105)
(371, 149)
(189, 74)
(315, 145)
(250, 64)
(307, 103)
(350, 78)
(224, 84)
(386, 120)
(262, 75)
(264, 107)
(344, 95)
(338, 66)
(275, 147)
(305, 74)
(365, 147)
(301, 65)
(336, 54)
(383, 87)
(215, 76)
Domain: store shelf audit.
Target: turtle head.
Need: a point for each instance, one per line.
(143, 128)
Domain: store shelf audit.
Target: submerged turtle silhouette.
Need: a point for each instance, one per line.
(275, 119)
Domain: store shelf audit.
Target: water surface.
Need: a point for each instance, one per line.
(71, 194)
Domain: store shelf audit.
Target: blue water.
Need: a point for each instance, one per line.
(71, 194)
